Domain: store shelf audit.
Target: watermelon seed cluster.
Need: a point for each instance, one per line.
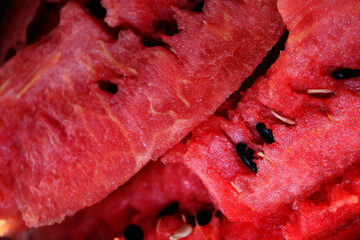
(346, 73)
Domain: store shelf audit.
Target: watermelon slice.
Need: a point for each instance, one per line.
(81, 112)
(141, 201)
(329, 212)
(146, 16)
(312, 115)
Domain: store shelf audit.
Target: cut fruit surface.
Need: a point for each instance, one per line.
(316, 133)
(82, 112)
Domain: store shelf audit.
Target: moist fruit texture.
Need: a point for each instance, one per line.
(81, 112)
(313, 116)
(297, 124)
(141, 201)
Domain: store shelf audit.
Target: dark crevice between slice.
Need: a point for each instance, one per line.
(4, 4)
(169, 28)
(161, 27)
(96, 9)
(194, 5)
(47, 17)
(11, 52)
(199, 6)
(270, 58)
(186, 138)
(266, 63)
(170, 209)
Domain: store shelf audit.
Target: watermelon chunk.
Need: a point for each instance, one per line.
(330, 212)
(139, 202)
(145, 16)
(81, 112)
(315, 132)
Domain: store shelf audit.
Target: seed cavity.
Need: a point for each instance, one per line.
(182, 232)
(169, 209)
(108, 86)
(265, 132)
(283, 118)
(204, 217)
(345, 73)
(321, 92)
(246, 155)
(133, 232)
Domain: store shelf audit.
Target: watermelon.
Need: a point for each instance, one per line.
(264, 163)
(144, 201)
(307, 112)
(83, 112)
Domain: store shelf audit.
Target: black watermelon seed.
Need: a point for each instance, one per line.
(346, 73)
(203, 217)
(265, 133)
(246, 155)
(133, 232)
(169, 209)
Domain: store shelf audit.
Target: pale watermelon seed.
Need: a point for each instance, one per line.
(320, 92)
(283, 118)
(183, 218)
(182, 232)
(235, 187)
(261, 154)
(265, 132)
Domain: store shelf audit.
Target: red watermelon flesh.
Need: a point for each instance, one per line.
(81, 113)
(329, 212)
(146, 16)
(324, 138)
(139, 201)
(326, 213)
